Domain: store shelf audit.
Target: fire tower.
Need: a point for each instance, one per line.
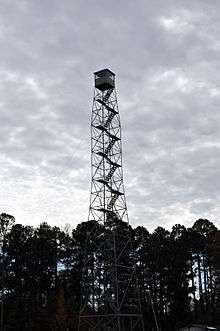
(110, 296)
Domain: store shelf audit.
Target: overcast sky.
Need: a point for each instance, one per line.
(166, 56)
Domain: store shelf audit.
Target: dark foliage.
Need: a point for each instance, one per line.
(41, 274)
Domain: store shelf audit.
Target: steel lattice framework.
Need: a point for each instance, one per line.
(110, 296)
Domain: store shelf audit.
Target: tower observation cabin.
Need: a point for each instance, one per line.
(104, 79)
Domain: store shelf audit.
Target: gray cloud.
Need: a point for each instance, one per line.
(166, 58)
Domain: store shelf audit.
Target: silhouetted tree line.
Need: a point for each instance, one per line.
(41, 275)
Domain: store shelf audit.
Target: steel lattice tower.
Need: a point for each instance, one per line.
(110, 296)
